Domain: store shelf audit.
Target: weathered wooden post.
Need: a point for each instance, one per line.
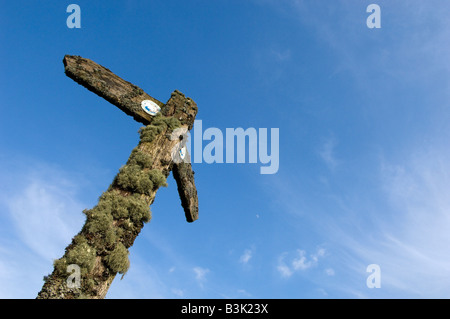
(100, 249)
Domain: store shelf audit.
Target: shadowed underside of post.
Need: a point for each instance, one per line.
(100, 249)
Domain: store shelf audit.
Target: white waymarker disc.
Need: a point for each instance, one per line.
(183, 152)
(150, 107)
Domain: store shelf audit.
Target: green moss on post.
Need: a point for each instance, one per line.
(99, 219)
(158, 179)
(123, 207)
(134, 179)
(117, 261)
(172, 123)
(81, 254)
(149, 132)
(138, 209)
(120, 213)
(159, 124)
(137, 157)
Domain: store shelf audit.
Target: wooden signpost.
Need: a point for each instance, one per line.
(100, 250)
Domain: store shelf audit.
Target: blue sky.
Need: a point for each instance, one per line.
(364, 159)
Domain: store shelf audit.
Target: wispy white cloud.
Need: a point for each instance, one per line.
(405, 232)
(41, 208)
(246, 256)
(288, 263)
(405, 227)
(283, 268)
(330, 271)
(364, 53)
(177, 292)
(418, 192)
(401, 225)
(327, 153)
(46, 215)
(200, 274)
(244, 293)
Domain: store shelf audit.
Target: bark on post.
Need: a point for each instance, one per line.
(100, 249)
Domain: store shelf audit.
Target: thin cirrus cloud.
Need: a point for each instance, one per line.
(417, 248)
(400, 220)
(42, 211)
(405, 231)
(46, 217)
(413, 24)
(43, 205)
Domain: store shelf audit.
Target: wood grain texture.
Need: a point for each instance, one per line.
(104, 83)
(184, 176)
